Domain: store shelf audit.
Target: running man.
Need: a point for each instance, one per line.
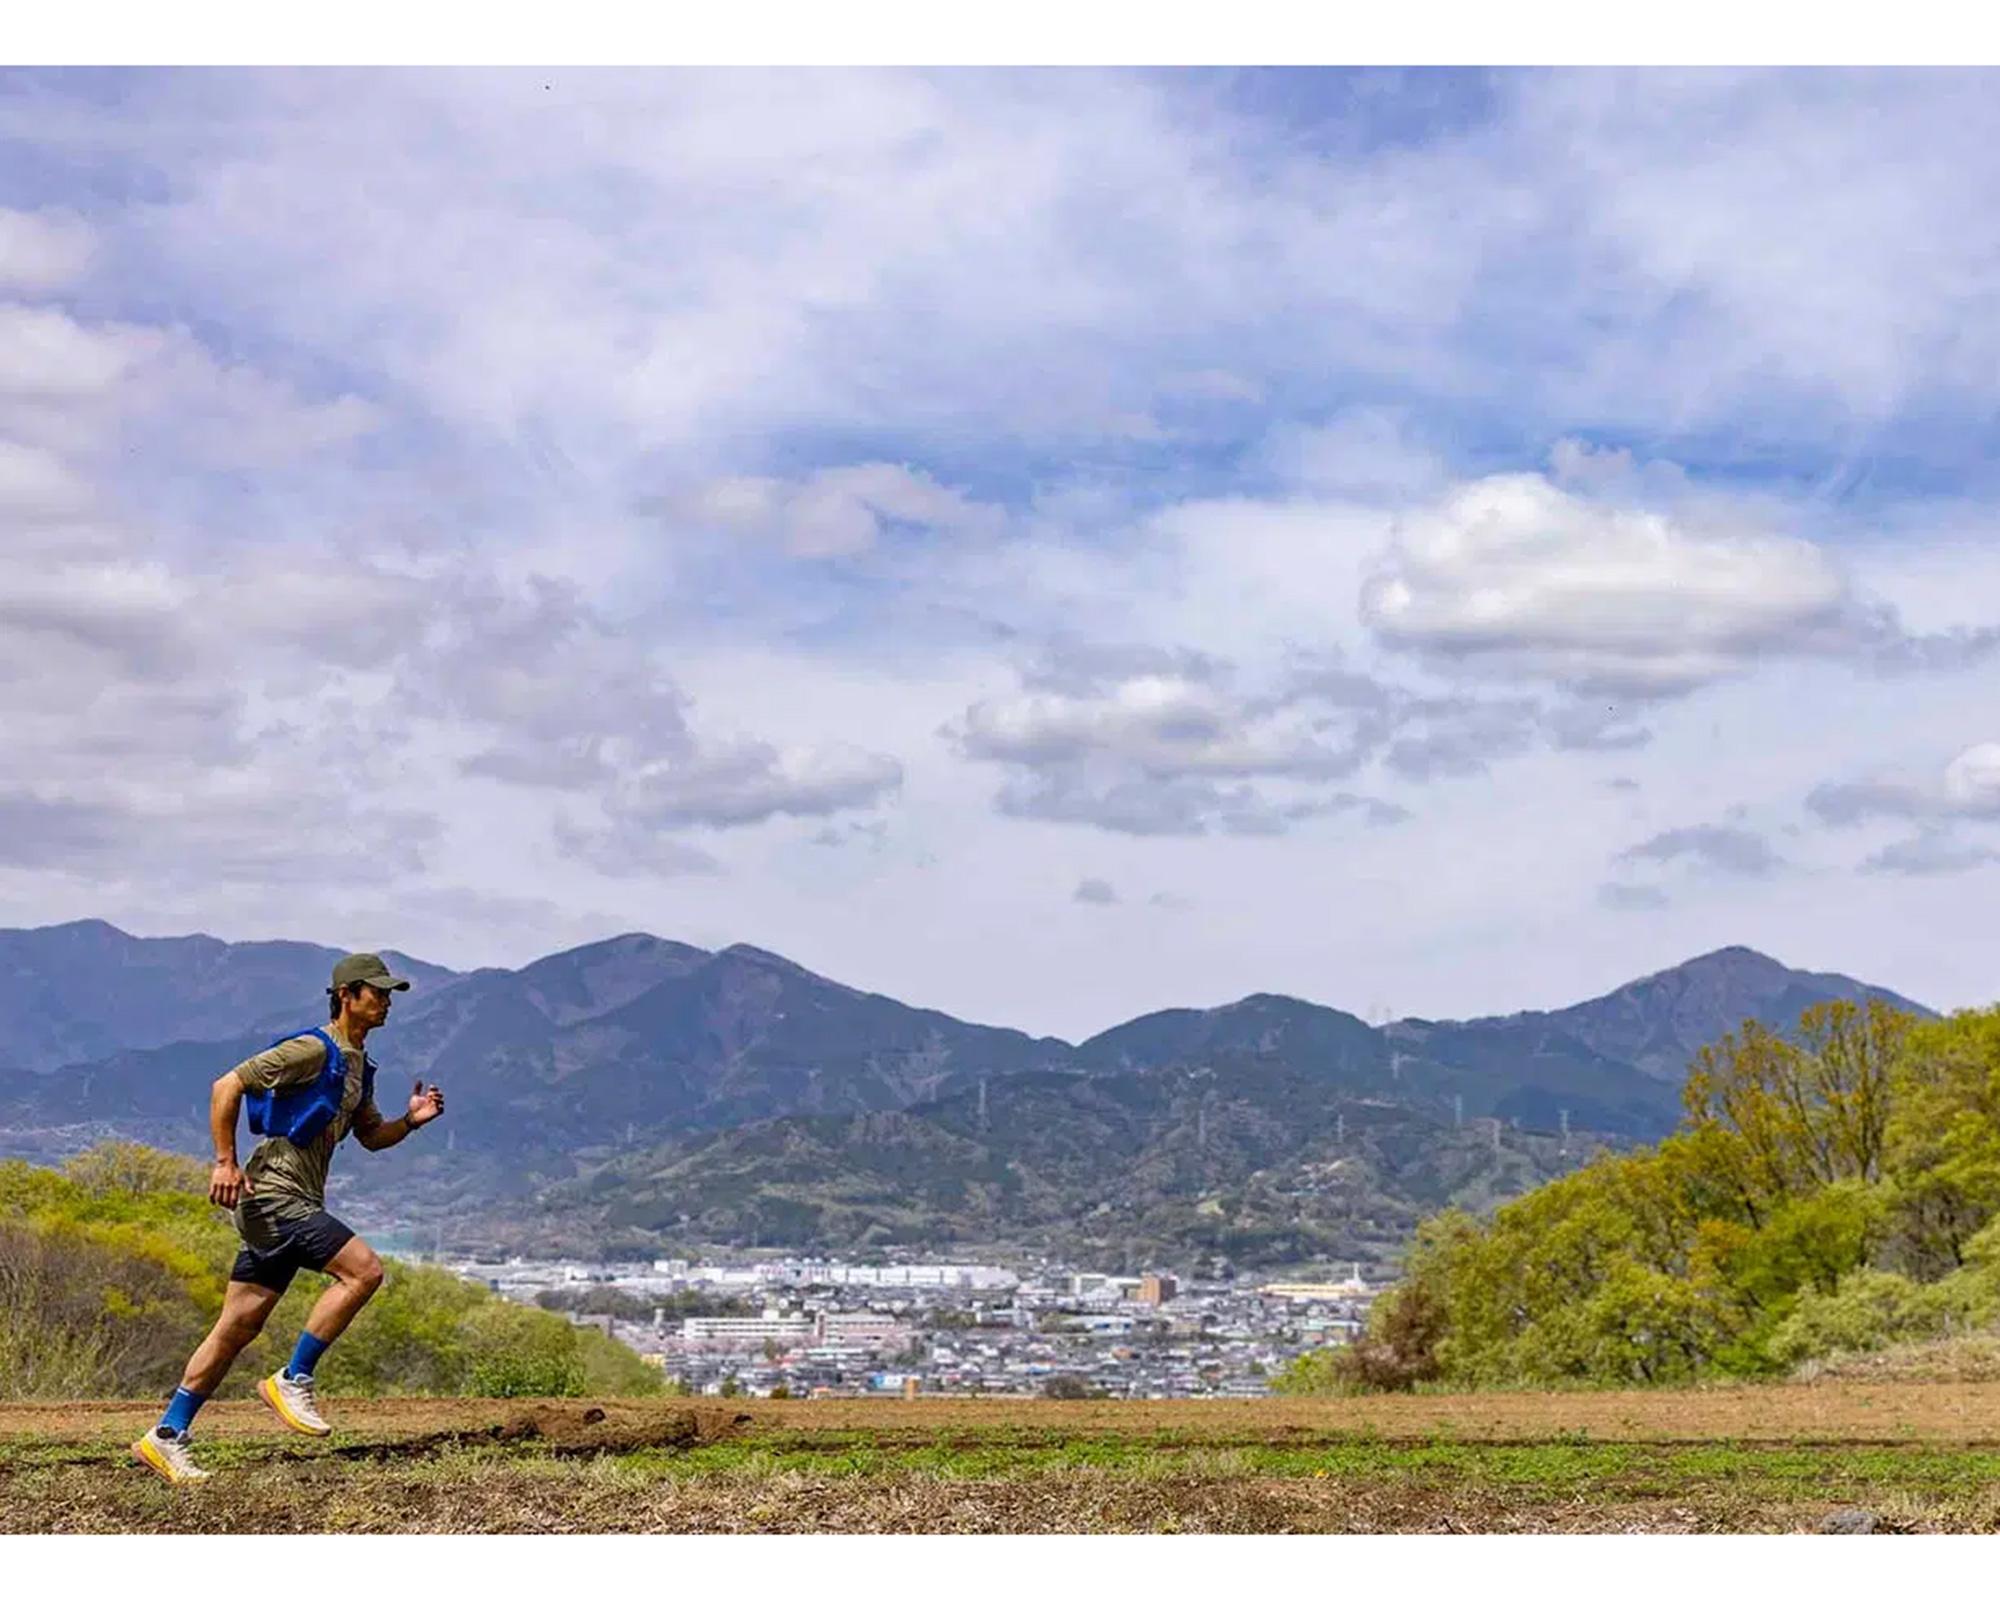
(278, 1204)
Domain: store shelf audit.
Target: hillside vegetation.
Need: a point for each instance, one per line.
(1831, 1193)
(112, 1268)
(1250, 1160)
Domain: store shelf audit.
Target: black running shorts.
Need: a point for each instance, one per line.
(310, 1241)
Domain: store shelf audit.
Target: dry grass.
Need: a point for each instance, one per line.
(1967, 1358)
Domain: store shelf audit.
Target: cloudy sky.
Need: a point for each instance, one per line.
(1043, 545)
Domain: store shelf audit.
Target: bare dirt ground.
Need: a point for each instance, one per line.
(1894, 1457)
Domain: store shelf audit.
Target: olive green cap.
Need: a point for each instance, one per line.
(365, 967)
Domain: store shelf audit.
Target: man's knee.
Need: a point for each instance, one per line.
(238, 1325)
(359, 1267)
(233, 1333)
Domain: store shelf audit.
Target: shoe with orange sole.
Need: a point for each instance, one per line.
(292, 1399)
(168, 1456)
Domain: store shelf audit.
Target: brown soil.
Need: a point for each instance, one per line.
(565, 1430)
(1848, 1413)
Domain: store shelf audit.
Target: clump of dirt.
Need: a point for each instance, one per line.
(564, 1430)
(568, 1431)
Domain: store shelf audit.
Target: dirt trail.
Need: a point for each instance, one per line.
(1845, 1413)
(1833, 1412)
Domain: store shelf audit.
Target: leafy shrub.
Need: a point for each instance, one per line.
(1870, 1309)
(112, 1270)
(81, 1316)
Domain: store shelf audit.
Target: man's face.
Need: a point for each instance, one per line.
(370, 1005)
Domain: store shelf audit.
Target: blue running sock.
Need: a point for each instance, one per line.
(305, 1356)
(181, 1410)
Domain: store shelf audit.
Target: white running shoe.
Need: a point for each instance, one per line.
(168, 1456)
(292, 1399)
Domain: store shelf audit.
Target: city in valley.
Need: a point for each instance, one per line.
(806, 1328)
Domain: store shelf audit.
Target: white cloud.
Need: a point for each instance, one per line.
(1154, 742)
(1162, 723)
(1513, 571)
(42, 250)
(1972, 781)
(745, 781)
(1736, 851)
(559, 697)
(37, 486)
(125, 611)
(1931, 851)
(46, 355)
(1967, 788)
(838, 511)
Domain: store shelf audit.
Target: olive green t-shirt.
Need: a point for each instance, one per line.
(289, 1180)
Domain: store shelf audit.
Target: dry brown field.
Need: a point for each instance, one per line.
(1882, 1457)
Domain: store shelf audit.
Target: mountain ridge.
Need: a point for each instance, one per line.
(690, 1072)
(297, 961)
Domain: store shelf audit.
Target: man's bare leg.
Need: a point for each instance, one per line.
(357, 1274)
(246, 1307)
(164, 1448)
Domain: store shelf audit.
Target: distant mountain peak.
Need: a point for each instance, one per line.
(758, 955)
(1658, 1021)
(95, 927)
(1740, 967)
(636, 940)
(1285, 1005)
(618, 945)
(1730, 957)
(1732, 952)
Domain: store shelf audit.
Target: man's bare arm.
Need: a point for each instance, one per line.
(226, 1183)
(372, 1133)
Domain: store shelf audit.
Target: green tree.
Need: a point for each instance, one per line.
(1802, 1113)
(1943, 1142)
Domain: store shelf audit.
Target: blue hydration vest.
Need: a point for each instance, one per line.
(302, 1113)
